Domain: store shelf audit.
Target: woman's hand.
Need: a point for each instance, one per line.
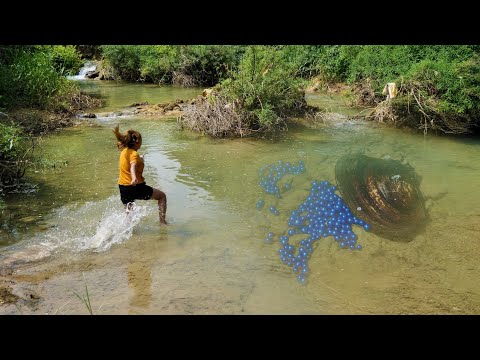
(134, 181)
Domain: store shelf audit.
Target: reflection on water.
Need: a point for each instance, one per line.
(118, 95)
(139, 274)
(333, 103)
(213, 258)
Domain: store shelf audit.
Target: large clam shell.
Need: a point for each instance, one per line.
(385, 193)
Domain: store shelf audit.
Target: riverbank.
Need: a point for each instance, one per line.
(323, 108)
(40, 122)
(213, 257)
(159, 111)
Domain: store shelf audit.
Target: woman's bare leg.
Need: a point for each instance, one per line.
(162, 204)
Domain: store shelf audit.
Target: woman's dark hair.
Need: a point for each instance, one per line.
(127, 140)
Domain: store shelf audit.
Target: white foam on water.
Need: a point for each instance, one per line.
(94, 226)
(114, 228)
(88, 66)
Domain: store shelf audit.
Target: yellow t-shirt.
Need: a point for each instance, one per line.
(128, 156)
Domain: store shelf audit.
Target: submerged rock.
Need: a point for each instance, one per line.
(384, 193)
(87, 115)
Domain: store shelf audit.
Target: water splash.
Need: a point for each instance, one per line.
(88, 66)
(76, 233)
(114, 228)
(94, 226)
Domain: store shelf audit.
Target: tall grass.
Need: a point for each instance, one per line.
(13, 155)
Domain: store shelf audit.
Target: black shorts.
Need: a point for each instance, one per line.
(130, 193)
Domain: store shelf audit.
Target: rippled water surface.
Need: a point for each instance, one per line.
(213, 257)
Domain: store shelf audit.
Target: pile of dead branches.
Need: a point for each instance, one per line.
(80, 101)
(217, 117)
(416, 105)
(182, 79)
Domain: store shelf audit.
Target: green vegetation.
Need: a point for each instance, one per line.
(33, 77)
(438, 84)
(195, 65)
(386, 63)
(265, 86)
(36, 97)
(66, 59)
(13, 155)
(255, 88)
(89, 51)
(257, 97)
(85, 298)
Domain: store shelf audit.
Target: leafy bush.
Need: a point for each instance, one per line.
(157, 63)
(89, 51)
(381, 64)
(210, 64)
(304, 59)
(36, 79)
(447, 92)
(387, 63)
(125, 59)
(29, 77)
(32, 82)
(265, 85)
(256, 97)
(66, 59)
(199, 65)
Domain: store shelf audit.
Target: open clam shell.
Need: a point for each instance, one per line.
(384, 193)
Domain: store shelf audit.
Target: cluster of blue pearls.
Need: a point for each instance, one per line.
(273, 173)
(322, 214)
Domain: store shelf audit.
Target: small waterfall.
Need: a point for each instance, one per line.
(88, 66)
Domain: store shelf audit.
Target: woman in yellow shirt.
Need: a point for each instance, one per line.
(131, 181)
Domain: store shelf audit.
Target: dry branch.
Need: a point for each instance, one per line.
(216, 117)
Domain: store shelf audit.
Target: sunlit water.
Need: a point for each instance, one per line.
(87, 67)
(212, 258)
(118, 94)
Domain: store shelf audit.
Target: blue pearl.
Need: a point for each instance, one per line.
(260, 204)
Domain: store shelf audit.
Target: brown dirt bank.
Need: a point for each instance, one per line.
(38, 122)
